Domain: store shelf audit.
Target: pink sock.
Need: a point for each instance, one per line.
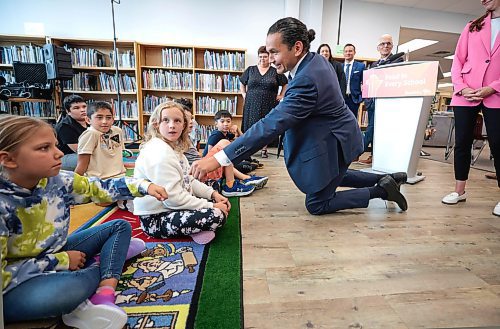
(103, 295)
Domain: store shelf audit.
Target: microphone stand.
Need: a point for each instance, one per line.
(120, 123)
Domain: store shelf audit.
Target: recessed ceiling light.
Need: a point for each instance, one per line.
(415, 44)
(450, 57)
(444, 85)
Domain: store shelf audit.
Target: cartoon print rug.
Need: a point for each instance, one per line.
(161, 288)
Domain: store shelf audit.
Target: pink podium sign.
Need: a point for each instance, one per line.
(407, 80)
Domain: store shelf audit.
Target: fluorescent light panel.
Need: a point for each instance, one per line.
(415, 44)
(450, 57)
(447, 74)
(444, 85)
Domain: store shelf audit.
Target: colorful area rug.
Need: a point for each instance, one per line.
(179, 284)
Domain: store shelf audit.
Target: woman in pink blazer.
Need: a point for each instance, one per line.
(476, 83)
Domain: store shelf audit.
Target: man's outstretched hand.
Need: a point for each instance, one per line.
(200, 168)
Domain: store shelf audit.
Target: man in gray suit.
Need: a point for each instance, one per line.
(322, 136)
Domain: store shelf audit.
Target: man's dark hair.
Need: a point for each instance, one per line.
(222, 114)
(70, 100)
(95, 106)
(293, 30)
(350, 45)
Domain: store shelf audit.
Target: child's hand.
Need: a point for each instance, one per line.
(217, 197)
(158, 192)
(222, 206)
(76, 259)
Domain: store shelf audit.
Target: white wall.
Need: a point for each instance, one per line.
(364, 22)
(223, 23)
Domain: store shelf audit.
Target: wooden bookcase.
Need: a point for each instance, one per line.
(181, 71)
(23, 49)
(94, 77)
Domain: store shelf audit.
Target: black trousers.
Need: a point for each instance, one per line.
(465, 120)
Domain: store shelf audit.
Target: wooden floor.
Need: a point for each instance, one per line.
(434, 266)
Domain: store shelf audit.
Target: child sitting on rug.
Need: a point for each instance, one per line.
(188, 210)
(224, 124)
(100, 147)
(47, 273)
(232, 187)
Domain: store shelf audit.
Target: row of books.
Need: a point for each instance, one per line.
(176, 57)
(86, 57)
(125, 59)
(129, 131)
(203, 131)
(32, 109)
(83, 81)
(234, 61)
(128, 109)
(217, 83)
(209, 105)
(160, 79)
(22, 53)
(151, 101)
(8, 76)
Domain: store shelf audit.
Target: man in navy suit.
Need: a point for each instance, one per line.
(322, 136)
(354, 77)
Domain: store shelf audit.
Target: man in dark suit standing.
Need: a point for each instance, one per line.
(322, 136)
(354, 77)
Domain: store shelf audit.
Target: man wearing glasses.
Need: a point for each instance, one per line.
(384, 47)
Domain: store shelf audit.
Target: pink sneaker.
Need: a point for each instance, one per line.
(203, 237)
(90, 316)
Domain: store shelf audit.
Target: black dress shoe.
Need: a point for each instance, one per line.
(400, 178)
(391, 187)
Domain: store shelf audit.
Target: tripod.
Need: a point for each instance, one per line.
(120, 123)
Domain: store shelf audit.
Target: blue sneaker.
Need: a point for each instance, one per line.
(238, 189)
(257, 181)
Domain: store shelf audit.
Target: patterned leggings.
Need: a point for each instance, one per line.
(182, 222)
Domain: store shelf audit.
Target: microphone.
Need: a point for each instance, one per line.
(392, 58)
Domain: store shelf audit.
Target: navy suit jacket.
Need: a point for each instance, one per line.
(321, 132)
(356, 80)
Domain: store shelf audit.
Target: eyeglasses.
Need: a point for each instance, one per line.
(382, 44)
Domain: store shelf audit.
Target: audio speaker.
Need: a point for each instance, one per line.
(57, 62)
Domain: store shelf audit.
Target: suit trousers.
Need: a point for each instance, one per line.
(329, 201)
(370, 128)
(465, 120)
(352, 106)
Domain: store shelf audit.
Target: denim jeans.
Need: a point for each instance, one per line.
(69, 162)
(56, 293)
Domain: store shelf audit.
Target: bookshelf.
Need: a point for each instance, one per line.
(23, 49)
(94, 77)
(206, 75)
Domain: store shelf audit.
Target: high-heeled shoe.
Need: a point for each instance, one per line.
(263, 154)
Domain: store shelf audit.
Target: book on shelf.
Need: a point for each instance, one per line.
(129, 131)
(84, 81)
(152, 101)
(161, 79)
(8, 76)
(86, 57)
(204, 132)
(21, 53)
(217, 82)
(126, 59)
(233, 61)
(45, 110)
(177, 57)
(128, 109)
(209, 105)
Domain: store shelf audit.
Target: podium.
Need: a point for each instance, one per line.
(403, 95)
